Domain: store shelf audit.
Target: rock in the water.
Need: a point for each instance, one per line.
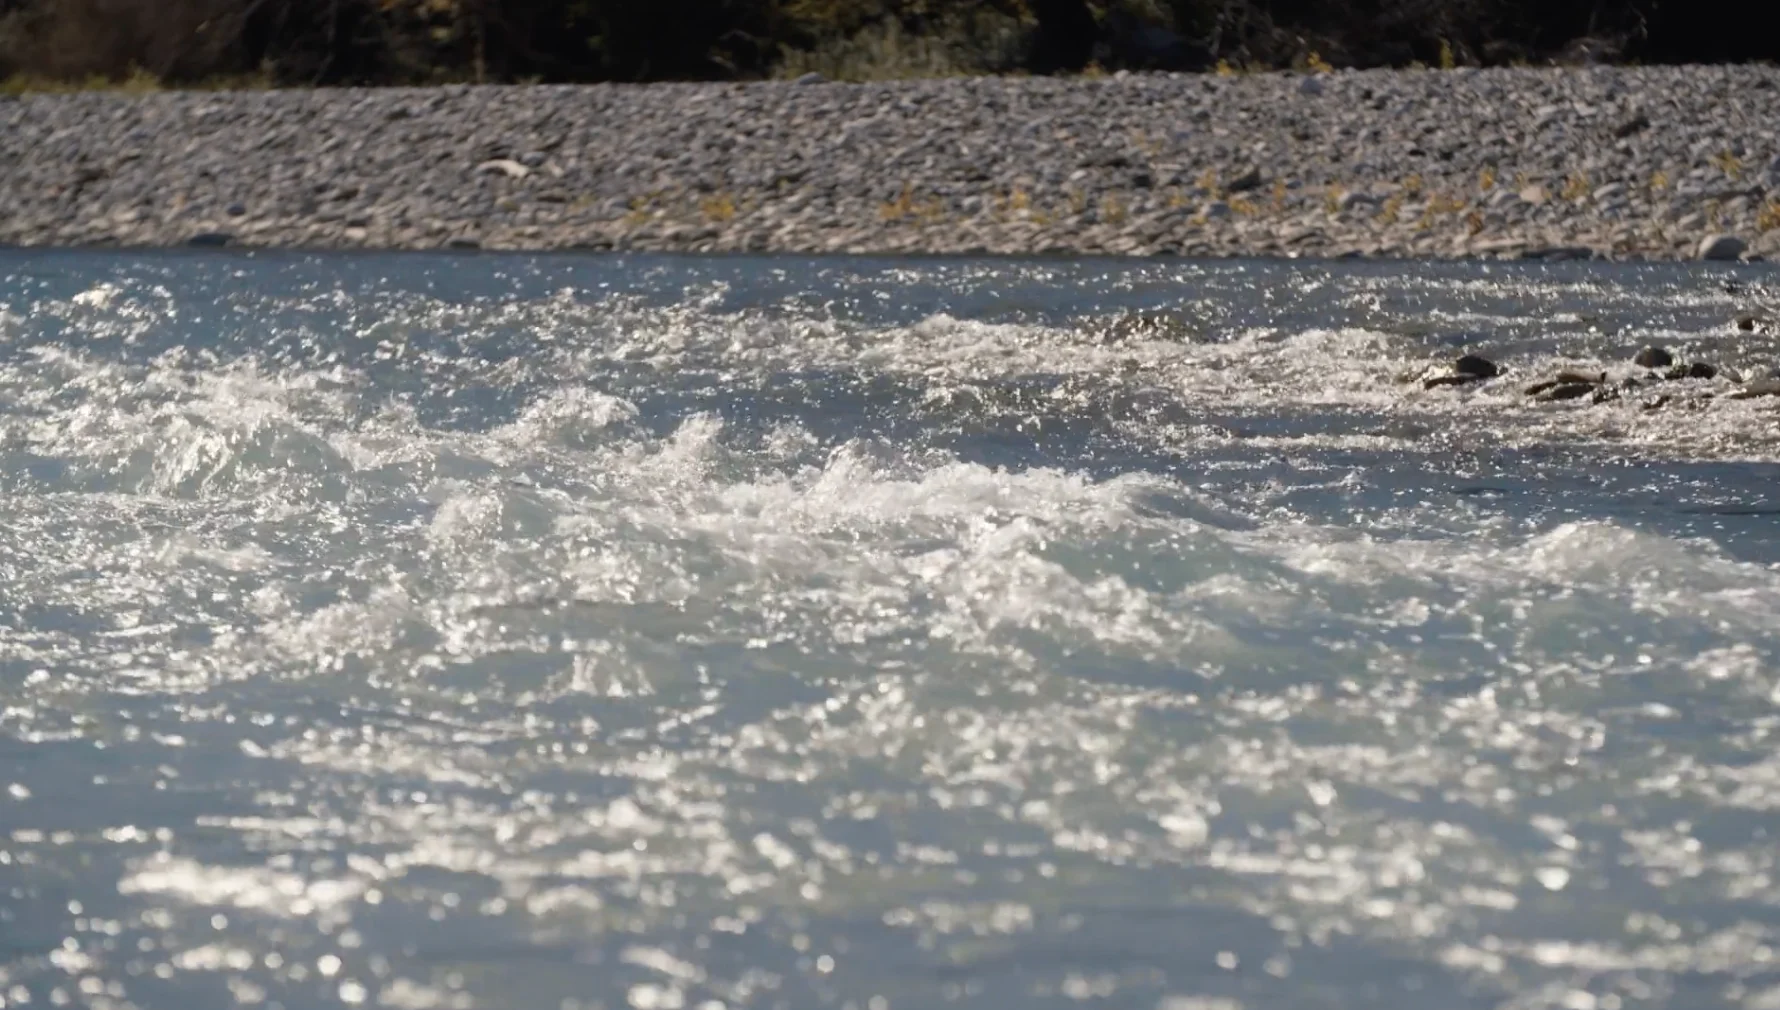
(1746, 323)
(1567, 385)
(1476, 366)
(1722, 248)
(1566, 391)
(1653, 357)
(1469, 368)
(1760, 387)
(210, 239)
(1694, 370)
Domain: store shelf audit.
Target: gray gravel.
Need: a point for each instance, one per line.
(1607, 162)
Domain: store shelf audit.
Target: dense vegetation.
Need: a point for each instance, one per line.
(323, 42)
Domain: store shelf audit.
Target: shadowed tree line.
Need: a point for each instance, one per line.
(330, 42)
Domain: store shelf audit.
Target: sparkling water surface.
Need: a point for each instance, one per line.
(515, 632)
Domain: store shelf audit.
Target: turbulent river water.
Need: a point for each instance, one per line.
(527, 632)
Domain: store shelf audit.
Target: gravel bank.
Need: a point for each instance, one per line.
(1616, 162)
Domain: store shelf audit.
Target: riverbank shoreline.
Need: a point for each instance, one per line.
(1613, 163)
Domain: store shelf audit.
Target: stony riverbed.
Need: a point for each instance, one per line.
(1626, 163)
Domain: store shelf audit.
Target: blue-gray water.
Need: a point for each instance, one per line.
(515, 632)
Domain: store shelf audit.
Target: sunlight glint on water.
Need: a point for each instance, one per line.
(426, 631)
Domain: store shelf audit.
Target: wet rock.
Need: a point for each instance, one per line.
(1468, 369)
(1143, 326)
(1476, 366)
(1567, 385)
(236, 210)
(1653, 357)
(1694, 370)
(210, 239)
(1758, 387)
(1565, 391)
(1722, 248)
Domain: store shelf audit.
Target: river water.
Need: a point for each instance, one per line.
(526, 632)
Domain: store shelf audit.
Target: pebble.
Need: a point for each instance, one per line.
(1671, 163)
(505, 166)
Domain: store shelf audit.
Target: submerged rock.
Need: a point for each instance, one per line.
(1147, 326)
